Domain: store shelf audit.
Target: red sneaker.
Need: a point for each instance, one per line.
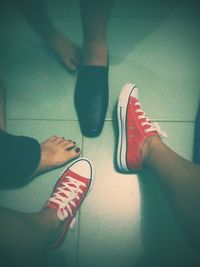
(134, 128)
(70, 191)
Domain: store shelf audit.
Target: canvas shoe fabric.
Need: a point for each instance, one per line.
(134, 128)
(70, 191)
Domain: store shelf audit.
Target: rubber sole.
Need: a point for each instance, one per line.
(121, 116)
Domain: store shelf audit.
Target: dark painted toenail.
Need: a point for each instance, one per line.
(77, 149)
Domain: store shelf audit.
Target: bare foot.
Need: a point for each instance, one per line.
(66, 50)
(55, 152)
(2, 107)
(95, 53)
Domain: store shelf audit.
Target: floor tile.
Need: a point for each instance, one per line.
(177, 134)
(163, 242)
(123, 214)
(110, 222)
(162, 59)
(63, 8)
(136, 8)
(38, 85)
(125, 220)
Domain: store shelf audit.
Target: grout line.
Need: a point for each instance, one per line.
(115, 16)
(38, 119)
(79, 218)
(160, 120)
(134, 16)
(107, 120)
(78, 241)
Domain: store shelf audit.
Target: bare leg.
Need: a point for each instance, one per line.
(36, 13)
(142, 147)
(2, 107)
(180, 180)
(24, 237)
(95, 15)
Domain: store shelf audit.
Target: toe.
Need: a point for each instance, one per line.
(52, 138)
(77, 55)
(68, 145)
(70, 65)
(74, 153)
(59, 140)
(76, 60)
(64, 142)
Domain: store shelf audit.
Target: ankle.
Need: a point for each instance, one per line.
(95, 41)
(95, 53)
(47, 220)
(149, 145)
(98, 37)
(47, 225)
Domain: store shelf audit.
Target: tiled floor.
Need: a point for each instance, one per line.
(125, 221)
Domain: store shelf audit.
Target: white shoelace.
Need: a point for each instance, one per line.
(153, 126)
(65, 195)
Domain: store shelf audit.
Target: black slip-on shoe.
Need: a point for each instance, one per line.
(91, 99)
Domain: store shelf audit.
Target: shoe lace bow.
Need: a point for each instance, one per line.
(153, 126)
(65, 196)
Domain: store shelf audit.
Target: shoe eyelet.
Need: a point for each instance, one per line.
(139, 117)
(145, 131)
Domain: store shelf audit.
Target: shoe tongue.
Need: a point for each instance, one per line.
(74, 175)
(77, 176)
(133, 99)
